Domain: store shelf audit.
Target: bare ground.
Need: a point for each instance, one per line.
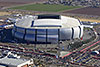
(7, 3)
(86, 11)
(22, 1)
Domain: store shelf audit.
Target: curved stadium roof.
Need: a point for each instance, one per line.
(47, 21)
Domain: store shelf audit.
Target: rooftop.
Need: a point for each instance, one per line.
(12, 61)
(47, 21)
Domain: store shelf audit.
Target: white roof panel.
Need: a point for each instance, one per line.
(63, 22)
(12, 61)
(47, 22)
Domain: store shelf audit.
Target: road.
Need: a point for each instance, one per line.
(83, 57)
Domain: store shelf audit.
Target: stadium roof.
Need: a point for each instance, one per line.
(47, 21)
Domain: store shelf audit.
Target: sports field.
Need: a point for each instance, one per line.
(45, 7)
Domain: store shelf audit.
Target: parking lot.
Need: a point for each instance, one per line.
(48, 54)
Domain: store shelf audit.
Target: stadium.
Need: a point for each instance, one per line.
(47, 28)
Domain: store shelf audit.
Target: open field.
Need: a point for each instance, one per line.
(86, 11)
(8, 3)
(44, 7)
(23, 1)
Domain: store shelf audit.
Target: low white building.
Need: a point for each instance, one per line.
(12, 61)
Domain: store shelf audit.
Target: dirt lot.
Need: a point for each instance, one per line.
(91, 20)
(86, 11)
(4, 13)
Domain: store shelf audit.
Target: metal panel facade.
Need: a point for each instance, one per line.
(65, 33)
(49, 35)
(76, 32)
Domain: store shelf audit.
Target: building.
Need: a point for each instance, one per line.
(47, 28)
(12, 60)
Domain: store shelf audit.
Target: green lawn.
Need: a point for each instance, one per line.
(45, 7)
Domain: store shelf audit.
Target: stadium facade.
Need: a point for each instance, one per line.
(47, 28)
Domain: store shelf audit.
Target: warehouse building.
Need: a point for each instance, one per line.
(12, 60)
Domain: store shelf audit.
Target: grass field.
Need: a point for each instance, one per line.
(45, 7)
